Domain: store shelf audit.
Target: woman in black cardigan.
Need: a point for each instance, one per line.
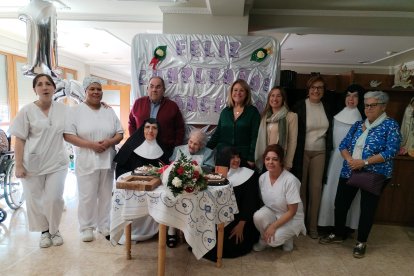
(313, 147)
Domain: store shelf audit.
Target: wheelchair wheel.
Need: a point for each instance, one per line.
(3, 215)
(13, 188)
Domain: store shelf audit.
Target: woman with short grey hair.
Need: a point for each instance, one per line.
(369, 146)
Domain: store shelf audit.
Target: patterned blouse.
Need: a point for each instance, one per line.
(384, 139)
(4, 143)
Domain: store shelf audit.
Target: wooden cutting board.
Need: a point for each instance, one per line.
(139, 183)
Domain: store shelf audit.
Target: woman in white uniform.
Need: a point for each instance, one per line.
(341, 124)
(41, 160)
(281, 218)
(95, 131)
(141, 149)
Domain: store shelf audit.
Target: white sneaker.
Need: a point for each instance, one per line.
(87, 235)
(260, 246)
(45, 240)
(288, 245)
(57, 239)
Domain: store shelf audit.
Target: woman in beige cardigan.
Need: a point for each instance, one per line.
(277, 126)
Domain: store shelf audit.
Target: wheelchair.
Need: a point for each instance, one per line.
(11, 188)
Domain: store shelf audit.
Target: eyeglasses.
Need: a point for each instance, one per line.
(317, 88)
(367, 106)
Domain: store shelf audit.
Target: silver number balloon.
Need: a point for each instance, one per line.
(40, 18)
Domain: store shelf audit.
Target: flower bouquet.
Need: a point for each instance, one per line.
(185, 175)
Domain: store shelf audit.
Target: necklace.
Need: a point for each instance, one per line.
(238, 112)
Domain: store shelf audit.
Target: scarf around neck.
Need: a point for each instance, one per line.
(279, 118)
(360, 143)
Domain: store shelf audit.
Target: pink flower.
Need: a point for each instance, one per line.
(180, 170)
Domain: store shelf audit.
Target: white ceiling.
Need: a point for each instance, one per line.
(367, 33)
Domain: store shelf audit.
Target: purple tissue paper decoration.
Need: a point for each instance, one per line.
(180, 47)
(255, 83)
(207, 49)
(214, 75)
(172, 75)
(266, 85)
(179, 101)
(204, 105)
(192, 104)
(244, 74)
(234, 49)
(195, 48)
(186, 74)
(222, 49)
(199, 76)
(228, 77)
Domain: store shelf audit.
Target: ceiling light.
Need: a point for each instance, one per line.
(339, 50)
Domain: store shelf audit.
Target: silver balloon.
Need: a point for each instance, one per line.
(69, 88)
(60, 90)
(40, 18)
(76, 91)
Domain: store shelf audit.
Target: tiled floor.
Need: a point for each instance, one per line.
(390, 251)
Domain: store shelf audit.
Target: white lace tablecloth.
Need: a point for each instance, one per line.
(195, 214)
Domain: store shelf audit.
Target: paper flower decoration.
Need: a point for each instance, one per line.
(159, 54)
(260, 54)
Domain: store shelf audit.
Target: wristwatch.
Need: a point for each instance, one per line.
(366, 162)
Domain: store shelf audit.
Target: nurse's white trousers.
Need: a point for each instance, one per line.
(44, 200)
(263, 217)
(95, 194)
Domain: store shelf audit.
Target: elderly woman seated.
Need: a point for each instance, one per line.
(196, 150)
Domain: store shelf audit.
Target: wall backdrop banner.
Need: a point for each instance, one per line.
(198, 70)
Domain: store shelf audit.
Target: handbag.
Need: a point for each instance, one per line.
(367, 181)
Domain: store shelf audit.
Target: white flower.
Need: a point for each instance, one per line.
(260, 54)
(160, 52)
(177, 182)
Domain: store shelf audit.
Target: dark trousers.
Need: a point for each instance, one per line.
(344, 196)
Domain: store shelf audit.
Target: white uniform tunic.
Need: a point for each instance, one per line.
(94, 171)
(93, 125)
(276, 197)
(45, 160)
(44, 150)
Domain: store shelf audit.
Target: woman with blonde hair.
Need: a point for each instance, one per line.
(277, 126)
(238, 124)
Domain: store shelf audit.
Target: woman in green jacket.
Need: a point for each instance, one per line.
(238, 124)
